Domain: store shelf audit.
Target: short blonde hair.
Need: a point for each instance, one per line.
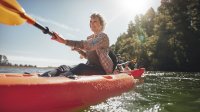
(101, 19)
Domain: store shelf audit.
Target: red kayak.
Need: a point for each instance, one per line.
(30, 93)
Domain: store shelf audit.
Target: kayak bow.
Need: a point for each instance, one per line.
(30, 93)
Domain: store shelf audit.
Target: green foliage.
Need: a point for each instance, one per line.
(168, 39)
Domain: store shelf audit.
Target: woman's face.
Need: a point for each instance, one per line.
(95, 25)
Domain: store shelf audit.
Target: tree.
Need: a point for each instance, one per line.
(168, 39)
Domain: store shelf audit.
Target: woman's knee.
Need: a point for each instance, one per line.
(57, 71)
(63, 68)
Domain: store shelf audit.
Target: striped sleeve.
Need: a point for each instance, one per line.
(100, 41)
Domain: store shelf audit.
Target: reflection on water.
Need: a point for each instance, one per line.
(160, 92)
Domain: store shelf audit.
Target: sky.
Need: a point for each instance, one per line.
(25, 44)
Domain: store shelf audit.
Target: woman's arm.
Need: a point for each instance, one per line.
(101, 41)
(92, 44)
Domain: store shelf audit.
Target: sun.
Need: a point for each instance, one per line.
(134, 6)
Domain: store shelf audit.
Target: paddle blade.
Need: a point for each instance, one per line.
(9, 16)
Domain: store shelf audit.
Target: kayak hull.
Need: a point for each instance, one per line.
(29, 93)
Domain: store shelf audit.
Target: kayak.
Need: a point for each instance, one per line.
(30, 93)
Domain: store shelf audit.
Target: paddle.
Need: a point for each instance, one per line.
(13, 14)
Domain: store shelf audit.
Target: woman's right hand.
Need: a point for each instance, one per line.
(58, 38)
(75, 49)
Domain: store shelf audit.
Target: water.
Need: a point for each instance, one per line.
(160, 92)
(23, 69)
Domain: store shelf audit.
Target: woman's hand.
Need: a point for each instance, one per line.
(79, 51)
(58, 38)
(75, 49)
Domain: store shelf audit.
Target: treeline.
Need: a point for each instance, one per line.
(17, 65)
(167, 40)
(4, 62)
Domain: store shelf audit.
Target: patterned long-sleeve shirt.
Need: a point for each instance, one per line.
(99, 43)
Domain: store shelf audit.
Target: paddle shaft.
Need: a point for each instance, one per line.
(31, 21)
(45, 30)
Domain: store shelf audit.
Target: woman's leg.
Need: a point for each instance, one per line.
(56, 72)
(84, 69)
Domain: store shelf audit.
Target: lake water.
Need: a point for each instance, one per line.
(160, 92)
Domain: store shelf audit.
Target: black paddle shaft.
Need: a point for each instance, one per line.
(45, 30)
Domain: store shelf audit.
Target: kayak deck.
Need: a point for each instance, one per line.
(27, 92)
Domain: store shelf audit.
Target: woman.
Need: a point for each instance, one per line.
(95, 49)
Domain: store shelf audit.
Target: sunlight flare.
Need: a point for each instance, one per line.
(134, 6)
